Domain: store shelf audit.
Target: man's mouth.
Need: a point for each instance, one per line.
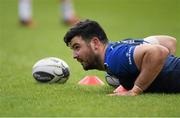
(80, 60)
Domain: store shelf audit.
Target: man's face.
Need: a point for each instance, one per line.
(84, 53)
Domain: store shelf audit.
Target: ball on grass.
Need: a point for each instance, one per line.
(51, 70)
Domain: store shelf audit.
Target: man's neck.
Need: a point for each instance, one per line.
(102, 56)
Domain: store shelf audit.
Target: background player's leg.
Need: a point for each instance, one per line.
(25, 12)
(68, 12)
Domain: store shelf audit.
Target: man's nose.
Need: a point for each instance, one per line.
(75, 55)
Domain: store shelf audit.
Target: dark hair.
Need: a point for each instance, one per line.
(86, 29)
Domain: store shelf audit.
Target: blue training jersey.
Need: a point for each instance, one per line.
(119, 59)
(119, 62)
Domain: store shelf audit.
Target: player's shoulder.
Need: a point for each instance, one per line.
(119, 52)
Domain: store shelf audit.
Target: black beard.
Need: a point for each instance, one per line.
(93, 63)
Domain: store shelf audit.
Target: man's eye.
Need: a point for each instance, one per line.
(76, 47)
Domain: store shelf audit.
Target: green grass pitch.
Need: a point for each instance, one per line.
(20, 48)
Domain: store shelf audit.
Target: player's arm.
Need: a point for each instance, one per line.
(164, 40)
(149, 60)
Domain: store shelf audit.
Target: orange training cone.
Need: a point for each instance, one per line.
(91, 80)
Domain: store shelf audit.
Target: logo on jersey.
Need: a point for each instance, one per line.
(128, 55)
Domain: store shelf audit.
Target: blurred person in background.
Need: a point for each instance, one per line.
(68, 12)
(66, 9)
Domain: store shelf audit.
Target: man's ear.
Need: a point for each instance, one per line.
(95, 42)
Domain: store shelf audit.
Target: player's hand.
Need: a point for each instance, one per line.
(121, 91)
(127, 93)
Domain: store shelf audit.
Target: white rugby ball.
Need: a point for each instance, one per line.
(51, 70)
(112, 81)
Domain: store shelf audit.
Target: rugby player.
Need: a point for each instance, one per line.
(143, 65)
